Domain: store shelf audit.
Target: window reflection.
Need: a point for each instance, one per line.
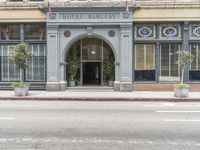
(169, 68)
(144, 62)
(194, 73)
(9, 32)
(35, 31)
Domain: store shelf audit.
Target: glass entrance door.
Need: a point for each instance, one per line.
(169, 68)
(91, 73)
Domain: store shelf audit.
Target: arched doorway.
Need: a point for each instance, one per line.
(95, 60)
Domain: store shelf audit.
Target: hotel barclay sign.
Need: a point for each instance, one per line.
(97, 16)
(106, 16)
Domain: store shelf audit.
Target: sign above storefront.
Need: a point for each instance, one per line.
(89, 16)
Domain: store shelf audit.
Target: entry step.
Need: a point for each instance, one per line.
(91, 88)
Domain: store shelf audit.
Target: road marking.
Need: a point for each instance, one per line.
(20, 105)
(22, 149)
(171, 105)
(181, 120)
(7, 118)
(176, 111)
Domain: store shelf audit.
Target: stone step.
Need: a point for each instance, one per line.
(91, 88)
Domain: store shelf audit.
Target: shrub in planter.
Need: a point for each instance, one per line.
(20, 57)
(109, 69)
(73, 67)
(182, 90)
(21, 88)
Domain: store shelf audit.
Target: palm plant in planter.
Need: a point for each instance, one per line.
(73, 66)
(182, 89)
(109, 69)
(20, 58)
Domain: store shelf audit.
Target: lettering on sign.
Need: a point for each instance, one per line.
(106, 16)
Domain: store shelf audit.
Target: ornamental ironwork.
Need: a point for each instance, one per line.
(195, 31)
(145, 32)
(170, 32)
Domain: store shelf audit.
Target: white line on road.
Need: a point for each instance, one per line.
(20, 105)
(171, 105)
(7, 118)
(181, 120)
(176, 111)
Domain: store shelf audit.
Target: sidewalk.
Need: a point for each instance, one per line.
(100, 96)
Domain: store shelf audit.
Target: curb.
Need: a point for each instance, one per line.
(103, 99)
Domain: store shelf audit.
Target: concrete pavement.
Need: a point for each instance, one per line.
(88, 95)
(77, 125)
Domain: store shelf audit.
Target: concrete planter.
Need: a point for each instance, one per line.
(72, 83)
(21, 91)
(110, 83)
(181, 92)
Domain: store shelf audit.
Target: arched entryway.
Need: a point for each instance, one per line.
(94, 60)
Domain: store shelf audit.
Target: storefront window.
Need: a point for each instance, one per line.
(9, 32)
(36, 70)
(194, 73)
(144, 62)
(169, 68)
(35, 32)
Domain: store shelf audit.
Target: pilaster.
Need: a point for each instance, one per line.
(186, 47)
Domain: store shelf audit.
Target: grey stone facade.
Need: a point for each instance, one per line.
(83, 24)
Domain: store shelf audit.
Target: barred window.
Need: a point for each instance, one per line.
(9, 71)
(37, 65)
(36, 70)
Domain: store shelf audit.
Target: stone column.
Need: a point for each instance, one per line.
(125, 58)
(21, 33)
(63, 81)
(52, 59)
(186, 47)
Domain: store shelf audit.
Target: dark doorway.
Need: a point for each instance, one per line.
(91, 73)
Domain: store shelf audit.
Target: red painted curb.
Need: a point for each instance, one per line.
(137, 99)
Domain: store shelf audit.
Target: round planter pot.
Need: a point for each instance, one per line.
(21, 91)
(72, 83)
(181, 92)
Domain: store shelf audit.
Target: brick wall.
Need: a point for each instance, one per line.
(161, 87)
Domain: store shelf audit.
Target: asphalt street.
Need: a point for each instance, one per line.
(57, 125)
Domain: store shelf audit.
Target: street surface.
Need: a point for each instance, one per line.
(57, 125)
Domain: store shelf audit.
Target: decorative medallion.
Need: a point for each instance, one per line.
(170, 31)
(196, 31)
(111, 33)
(145, 32)
(67, 33)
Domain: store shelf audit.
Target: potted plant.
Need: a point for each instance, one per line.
(182, 90)
(20, 58)
(109, 69)
(73, 67)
